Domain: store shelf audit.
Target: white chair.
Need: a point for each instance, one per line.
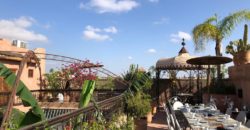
(172, 120)
(248, 124)
(241, 117)
(167, 116)
(228, 111)
(171, 128)
(178, 127)
(213, 106)
(60, 97)
(177, 105)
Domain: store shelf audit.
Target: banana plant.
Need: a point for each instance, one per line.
(86, 94)
(35, 114)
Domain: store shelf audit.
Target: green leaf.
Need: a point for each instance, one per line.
(35, 114)
(86, 94)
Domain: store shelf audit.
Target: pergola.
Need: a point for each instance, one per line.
(177, 63)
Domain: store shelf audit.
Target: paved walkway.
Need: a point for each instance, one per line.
(159, 121)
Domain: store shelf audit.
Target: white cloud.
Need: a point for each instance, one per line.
(151, 50)
(19, 29)
(130, 57)
(179, 36)
(111, 29)
(93, 33)
(154, 1)
(163, 20)
(110, 6)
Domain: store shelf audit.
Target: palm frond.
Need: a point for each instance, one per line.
(137, 80)
(211, 19)
(227, 24)
(203, 33)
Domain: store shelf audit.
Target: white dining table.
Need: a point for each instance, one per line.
(205, 118)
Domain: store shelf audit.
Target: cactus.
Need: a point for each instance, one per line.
(240, 45)
(245, 36)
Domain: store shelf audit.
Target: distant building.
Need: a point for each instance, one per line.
(9, 57)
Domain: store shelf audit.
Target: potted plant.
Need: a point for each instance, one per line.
(240, 49)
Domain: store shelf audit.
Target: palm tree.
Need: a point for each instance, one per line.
(214, 30)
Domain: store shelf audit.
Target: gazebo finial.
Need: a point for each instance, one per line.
(183, 49)
(183, 42)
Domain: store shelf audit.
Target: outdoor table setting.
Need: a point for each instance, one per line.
(202, 117)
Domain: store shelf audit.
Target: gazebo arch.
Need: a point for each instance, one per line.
(177, 63)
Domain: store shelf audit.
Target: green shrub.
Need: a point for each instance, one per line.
(138, 105)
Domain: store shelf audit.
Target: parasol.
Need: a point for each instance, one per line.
(209, 60)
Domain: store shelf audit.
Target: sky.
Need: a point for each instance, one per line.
(115, 33)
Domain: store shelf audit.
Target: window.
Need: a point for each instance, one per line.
(23, 45)
(30, 73)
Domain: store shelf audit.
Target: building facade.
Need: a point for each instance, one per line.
(9, 57)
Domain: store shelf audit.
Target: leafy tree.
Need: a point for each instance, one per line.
(108, 83)
(54, 79)
(216, 30)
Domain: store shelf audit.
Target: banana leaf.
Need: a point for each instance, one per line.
(86, 94)
(35, 114)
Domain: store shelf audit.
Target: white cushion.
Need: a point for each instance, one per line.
(177, 105)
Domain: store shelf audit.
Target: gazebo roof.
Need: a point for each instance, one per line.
(177, 62)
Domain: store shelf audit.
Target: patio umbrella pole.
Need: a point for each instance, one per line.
(208, 82)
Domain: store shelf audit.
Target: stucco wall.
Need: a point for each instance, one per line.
(31, 83)
(240, 75)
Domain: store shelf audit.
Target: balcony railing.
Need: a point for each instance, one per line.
(50, 95)
(67, 121)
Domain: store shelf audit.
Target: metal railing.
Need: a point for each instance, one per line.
(87, 114)
(72, 95)
(50, 95)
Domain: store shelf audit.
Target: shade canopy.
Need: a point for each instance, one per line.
(209, 60)
(178, 62)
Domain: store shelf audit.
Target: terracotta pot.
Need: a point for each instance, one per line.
(241, 58)
(154, 109)
(140, 124)
(236, 60)
(149, 117)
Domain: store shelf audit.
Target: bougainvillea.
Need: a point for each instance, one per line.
(74, 74)
(79, 71)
